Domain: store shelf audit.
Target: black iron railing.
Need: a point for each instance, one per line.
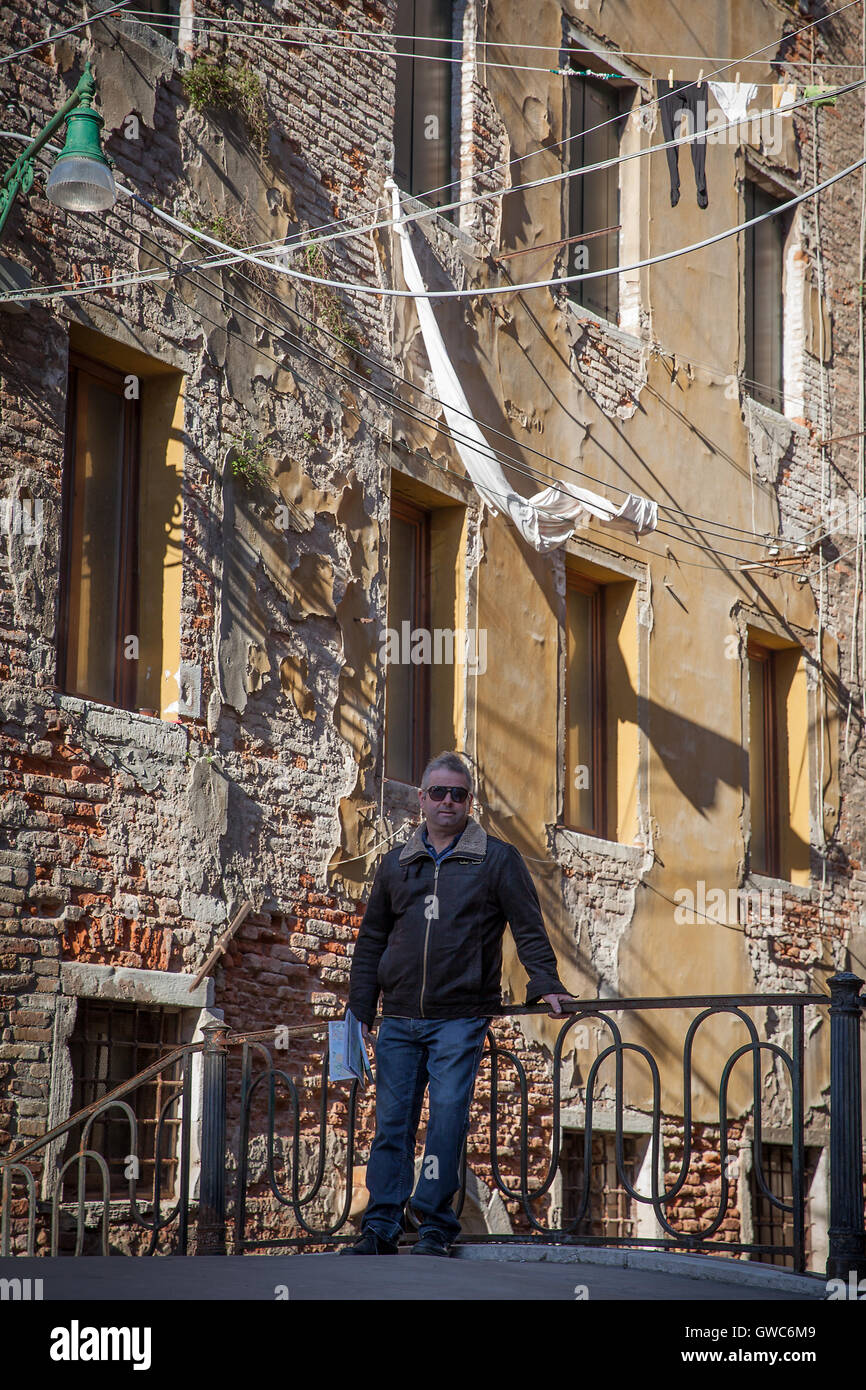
(271, 1110)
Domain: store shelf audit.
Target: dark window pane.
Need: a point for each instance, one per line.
(765, 252)
(757, 764)
(581, 771)
(408, 682)
(422, 114)
(99, 591)
(97, 490)
(596, 126)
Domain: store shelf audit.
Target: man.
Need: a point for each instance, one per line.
(431, 941)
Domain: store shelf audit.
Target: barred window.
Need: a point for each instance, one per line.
(770, 1225)
(610, 1210)
(111, 1043)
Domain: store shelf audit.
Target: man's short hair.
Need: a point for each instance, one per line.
(453, 762)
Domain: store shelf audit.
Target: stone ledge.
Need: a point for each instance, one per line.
(132, 986)
(718, 1268)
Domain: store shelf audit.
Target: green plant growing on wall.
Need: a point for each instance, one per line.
(326, 305)
(249, 459)
(211, 86)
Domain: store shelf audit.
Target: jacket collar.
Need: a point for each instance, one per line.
(471, 845)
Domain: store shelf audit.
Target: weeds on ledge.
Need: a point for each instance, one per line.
(211, 86)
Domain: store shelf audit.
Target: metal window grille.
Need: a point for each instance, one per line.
(610, 1212)
(111, 1043)
(770, 1225)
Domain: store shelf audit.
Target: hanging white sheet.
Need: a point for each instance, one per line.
(547, 519)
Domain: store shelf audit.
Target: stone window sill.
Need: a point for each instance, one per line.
(565, 840)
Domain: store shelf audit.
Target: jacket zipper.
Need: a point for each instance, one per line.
(427, 938)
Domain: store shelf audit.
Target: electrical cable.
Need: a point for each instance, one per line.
(169, 25)
(654, 102)
(114, 284)
(519, 159)
(283, 247)
(483, 291)
(392, 400)
(62, 33)
(147, 15)
(385, 398)
(388, 399)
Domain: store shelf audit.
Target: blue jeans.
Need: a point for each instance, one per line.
(412, 1053)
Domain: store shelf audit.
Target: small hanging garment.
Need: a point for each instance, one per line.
(734, 98)
(690, 99)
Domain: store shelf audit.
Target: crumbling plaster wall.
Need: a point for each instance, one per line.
(130, 840)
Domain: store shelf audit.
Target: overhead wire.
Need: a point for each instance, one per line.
(160, 22)
(506, 165)
(115, 283)
(78, 289)
(110, 285)
(63, 33)
(515, 288)
(419, 214)
(481, 291)
(232, 22)
(283, 247)
(381, 396)
(279, 248)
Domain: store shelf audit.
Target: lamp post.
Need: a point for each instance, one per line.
(81, 180)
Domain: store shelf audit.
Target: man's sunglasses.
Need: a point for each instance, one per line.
(458, 794)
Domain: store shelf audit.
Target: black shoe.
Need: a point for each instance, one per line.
(431, 1245)
(370, 1244)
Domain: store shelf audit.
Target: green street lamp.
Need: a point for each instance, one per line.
(81, 180)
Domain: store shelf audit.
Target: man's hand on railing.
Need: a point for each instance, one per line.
(555, 1001)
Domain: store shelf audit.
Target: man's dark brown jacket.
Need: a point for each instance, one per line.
(431, 938)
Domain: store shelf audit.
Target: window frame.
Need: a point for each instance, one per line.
(406, 52)
(574, 196)
(125, 684)
(755, 651)
(770, 395)
(420, 674)
(598, 702)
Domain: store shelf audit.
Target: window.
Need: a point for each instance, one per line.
(597, 120)
(600, 789)
(765, 259)
(585, 706)
(778, 760)
(422, 107)
(162, 15)
(770, 1225)
(121, 567)
(99, 598)
(110, 1043)
(610, 1210)
(763, 774)
(407, 732)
